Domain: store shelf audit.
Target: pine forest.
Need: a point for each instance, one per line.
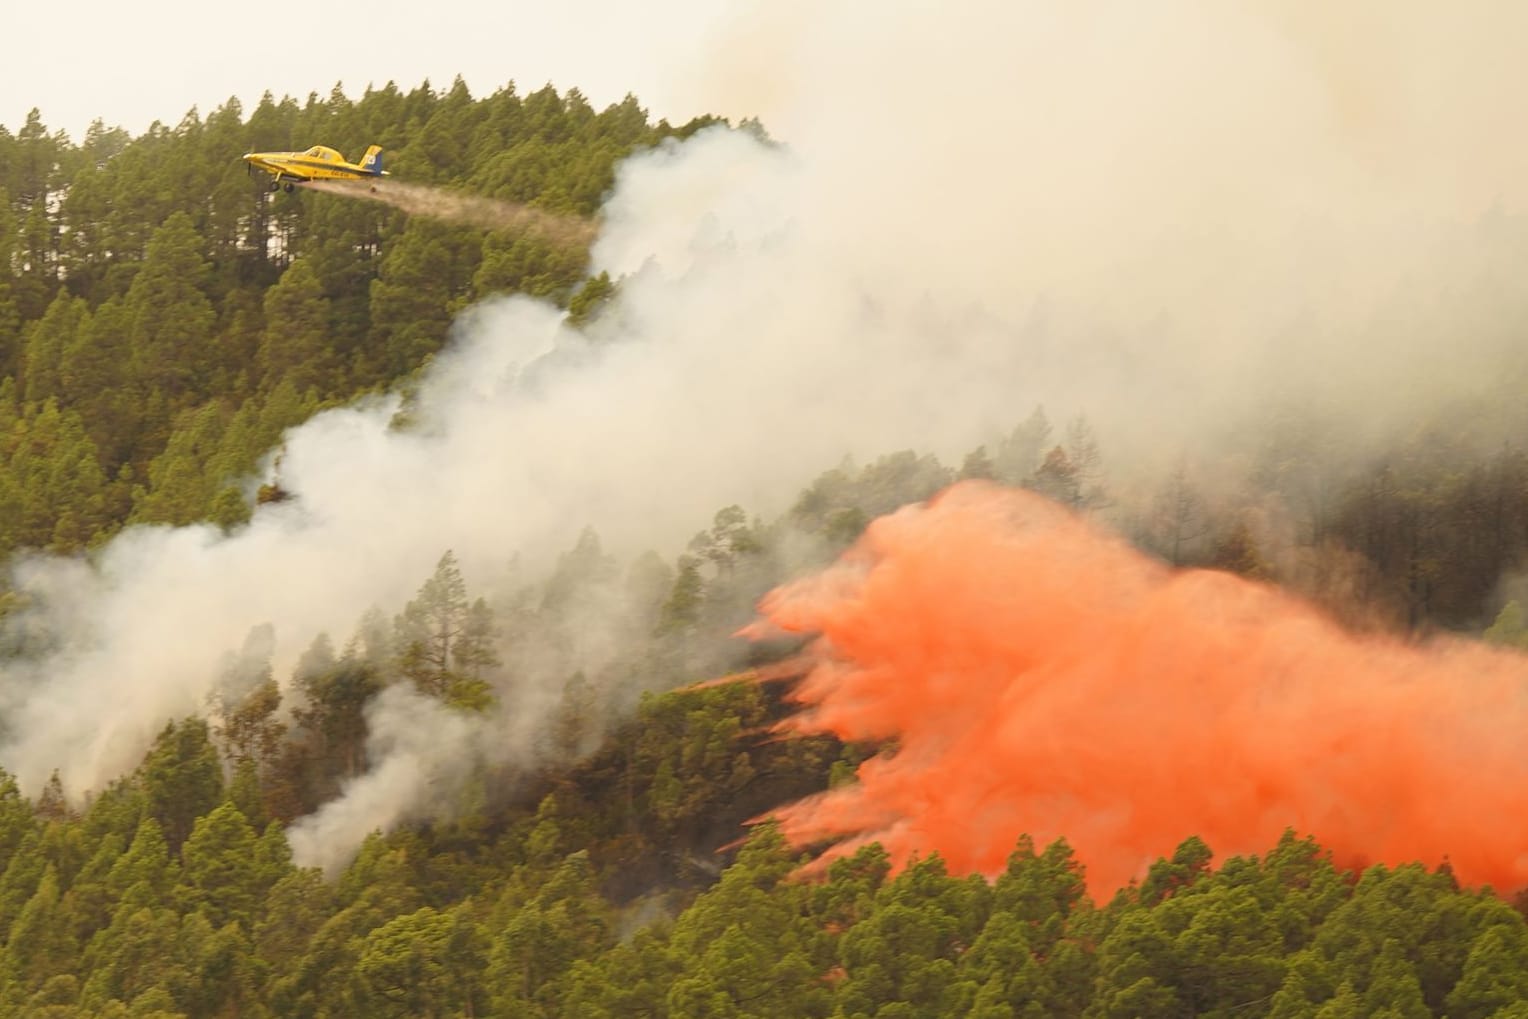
(629, 829)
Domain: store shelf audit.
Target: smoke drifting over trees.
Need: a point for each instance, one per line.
(368, 560)
(1180, 223)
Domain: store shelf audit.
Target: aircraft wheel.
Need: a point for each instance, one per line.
(275, 185)
(289, 189)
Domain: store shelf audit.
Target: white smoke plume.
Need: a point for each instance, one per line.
(412, 775)
(1157, 215)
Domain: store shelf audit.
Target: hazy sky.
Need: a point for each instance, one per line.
(133, 63)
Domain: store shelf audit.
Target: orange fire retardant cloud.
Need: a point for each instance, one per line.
(1038, 675)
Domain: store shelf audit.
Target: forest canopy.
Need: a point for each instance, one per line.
(164, 319)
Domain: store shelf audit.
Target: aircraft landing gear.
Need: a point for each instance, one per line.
(289, 187)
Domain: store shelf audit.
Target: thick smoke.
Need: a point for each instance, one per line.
(1157, 215)
(1036, 674)
(407, 732)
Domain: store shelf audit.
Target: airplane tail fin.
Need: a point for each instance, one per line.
(373, 160)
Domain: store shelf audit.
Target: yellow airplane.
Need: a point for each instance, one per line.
(318, 163)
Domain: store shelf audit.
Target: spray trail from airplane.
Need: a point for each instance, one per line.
(1036, 674)
(470, 210)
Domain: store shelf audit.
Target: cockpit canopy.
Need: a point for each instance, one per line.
(325, 153)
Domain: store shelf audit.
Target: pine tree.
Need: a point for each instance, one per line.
(296, 346)
(170, 319)
(445, 640)
(183, 778)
